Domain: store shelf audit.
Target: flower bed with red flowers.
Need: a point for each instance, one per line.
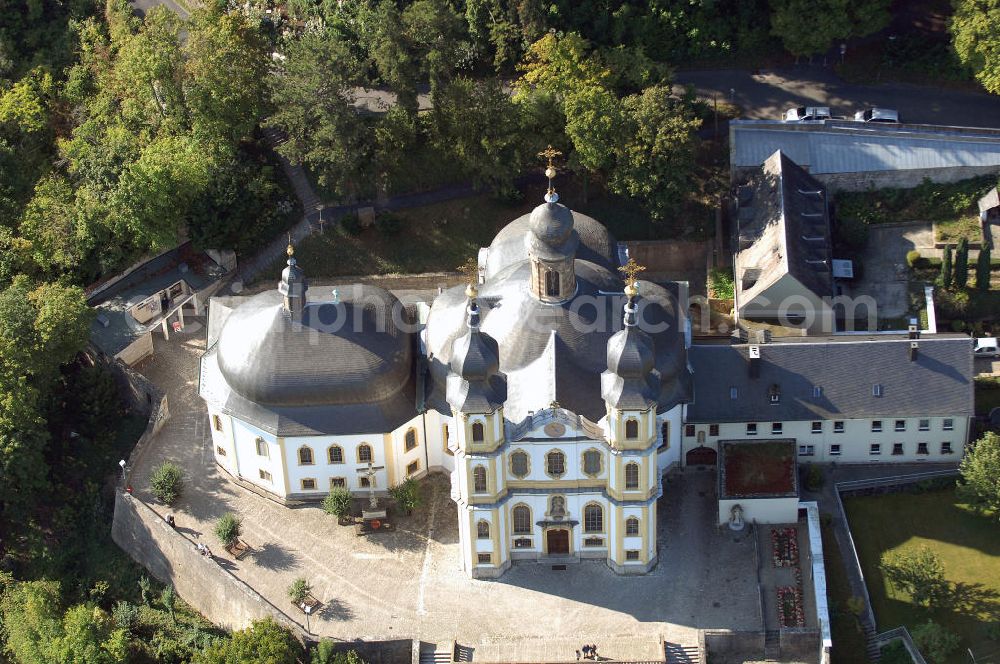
(784, 547)
(790, 612)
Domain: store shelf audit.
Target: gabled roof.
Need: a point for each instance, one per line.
(844, 369)
(783, 227)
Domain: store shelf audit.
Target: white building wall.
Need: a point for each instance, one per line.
(251, 464)
(855, 441)
(764, 510)
(671, 454)
(223, 443)
(322, 470)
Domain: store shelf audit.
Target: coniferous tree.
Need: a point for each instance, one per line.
(962, 264)
(946, 268)
(983, 270)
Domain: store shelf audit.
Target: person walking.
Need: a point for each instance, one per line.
(578, 655)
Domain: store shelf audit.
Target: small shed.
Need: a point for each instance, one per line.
(761, 476)
(152, 293)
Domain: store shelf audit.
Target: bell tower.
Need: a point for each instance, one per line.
(552, 243)
(293, 286)
(476, 392)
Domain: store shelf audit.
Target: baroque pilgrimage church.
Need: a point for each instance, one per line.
(554, 392)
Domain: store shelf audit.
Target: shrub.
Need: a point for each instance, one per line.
(388, 224)
(338, 502)
(166, 482)
(351, 224)
(299, 591)
(934, 641)
(228, 528)
(895, 653)
(406, 494)
(720, 283)
(856, 605)
(814, 478)
(125, 615)
(913, 258)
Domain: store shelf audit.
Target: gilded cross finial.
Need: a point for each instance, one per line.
(549, 154)
(470, 270)
(290, 250)
(630, 270)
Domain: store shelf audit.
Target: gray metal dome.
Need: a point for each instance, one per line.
(475, 384)
(552, 223)
(350, 352)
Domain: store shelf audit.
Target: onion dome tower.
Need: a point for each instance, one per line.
(293, 286)
(552, 243)
(631, 385)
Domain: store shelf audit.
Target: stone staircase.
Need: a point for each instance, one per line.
(436, 653)
(772, 645)
(295, 174)
(676, 653)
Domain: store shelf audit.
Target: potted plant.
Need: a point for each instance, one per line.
(407, 495)
(339, 502)
(228, 528)
(300, 592)
(166, 482)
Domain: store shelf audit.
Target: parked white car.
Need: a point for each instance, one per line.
(985, 347)
(878, 115)
(803, 113)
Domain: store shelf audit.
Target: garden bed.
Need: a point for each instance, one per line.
(790, 609)
(784, 547)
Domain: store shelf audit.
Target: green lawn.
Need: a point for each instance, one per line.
(968, 545)
(848, 637)
(442, 236)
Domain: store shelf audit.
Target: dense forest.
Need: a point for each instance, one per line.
(121, 135)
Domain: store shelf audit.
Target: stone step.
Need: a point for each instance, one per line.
(681, 654)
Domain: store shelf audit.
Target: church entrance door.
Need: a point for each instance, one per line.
(558, 542)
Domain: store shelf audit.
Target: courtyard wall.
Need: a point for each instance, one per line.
(172, 558)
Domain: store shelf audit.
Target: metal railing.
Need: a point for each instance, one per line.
(902, 634)
(895, 480)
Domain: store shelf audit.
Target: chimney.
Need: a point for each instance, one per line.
(912, 330)
(913, 350)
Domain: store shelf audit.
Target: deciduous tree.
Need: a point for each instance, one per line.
(980, 468)
(918, 572)
(977, 40)
(265, 642)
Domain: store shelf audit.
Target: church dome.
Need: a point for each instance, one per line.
(630, 353)
(475, 356)
(349, 352)
(552, 223)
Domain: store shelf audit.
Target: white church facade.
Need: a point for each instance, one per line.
(556, 390)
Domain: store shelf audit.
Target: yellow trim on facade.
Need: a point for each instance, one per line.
(390, 460)
(284, 464)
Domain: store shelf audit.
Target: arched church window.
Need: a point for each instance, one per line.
(522, 519)
(478, 432)
(631, 526)
(593, 518)
(364, 453)
(632, 475)
(632, 429)
(555, 463)
(335, 454)
(519, 464)
(479, 479)
(410, 441)
(483, 530)
(305, 456)
(552, 283)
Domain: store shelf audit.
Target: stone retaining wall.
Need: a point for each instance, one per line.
(172, 558)
(670, 255)
(904, 179)
(727, 645)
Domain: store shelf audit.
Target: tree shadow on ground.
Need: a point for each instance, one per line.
(273, 556)
(973, 599)
(335, 609)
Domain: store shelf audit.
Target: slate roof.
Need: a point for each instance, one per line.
(838, 146)
(558, 351)
(937, 383)
(113, 300)
(785, 229)
(347, 368)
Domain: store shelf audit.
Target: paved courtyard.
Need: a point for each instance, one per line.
(409, 584)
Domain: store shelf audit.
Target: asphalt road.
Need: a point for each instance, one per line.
(768, 93)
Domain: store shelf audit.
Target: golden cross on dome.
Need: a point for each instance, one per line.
(470, 270)
(630, 270)
(549, 154)
(290, 250)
